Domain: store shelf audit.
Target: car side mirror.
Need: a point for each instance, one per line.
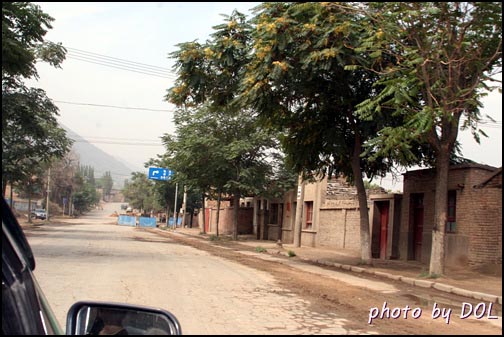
(106, 318)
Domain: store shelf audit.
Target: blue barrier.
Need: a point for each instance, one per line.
(126, 220)
(147, 222)
(171, 220)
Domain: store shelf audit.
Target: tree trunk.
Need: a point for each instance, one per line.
(235, 215)
(204, 213)
(436, 267)
(363, 206)
(218, 213)
(29, 207)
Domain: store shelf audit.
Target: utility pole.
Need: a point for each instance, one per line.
(48, 191)
(175, 208)
(298, 224)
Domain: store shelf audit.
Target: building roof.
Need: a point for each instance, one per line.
(490, 178)
(456, 167)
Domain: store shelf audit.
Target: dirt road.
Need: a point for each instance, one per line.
(217, 288)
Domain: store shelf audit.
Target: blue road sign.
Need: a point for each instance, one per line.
(158, 173)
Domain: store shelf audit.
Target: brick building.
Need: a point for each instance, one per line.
(474, 224)
(330, 215)
(245, 214)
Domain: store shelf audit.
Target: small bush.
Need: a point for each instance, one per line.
(213, 237)
(260, 249)
(291, 253)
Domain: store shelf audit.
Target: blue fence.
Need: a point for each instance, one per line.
(171, 220)
(126, 220)
(147, 222)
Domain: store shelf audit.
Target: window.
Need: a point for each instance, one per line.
(309, 214)
(451, 216)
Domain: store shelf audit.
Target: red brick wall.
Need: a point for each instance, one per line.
(478, 216)
(226, 220)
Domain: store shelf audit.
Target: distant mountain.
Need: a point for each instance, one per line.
(99, 160)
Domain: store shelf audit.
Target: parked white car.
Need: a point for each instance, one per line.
(39, 214)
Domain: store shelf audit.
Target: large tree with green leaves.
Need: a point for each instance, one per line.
(143, 193)
(298, 82)
(30, 132)
(442, 58)
(85, 195)
(190, 151)
(212, 127)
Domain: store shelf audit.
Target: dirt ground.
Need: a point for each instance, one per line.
(354, 303)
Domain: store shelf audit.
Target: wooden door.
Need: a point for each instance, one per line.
(418, 220)
(384, 220)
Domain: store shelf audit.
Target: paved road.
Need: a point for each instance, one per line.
(93, 259)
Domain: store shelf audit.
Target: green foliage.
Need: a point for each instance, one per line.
(30, 133)
(211, 128)
(85, 195)
(106, 183)
(24, 26)
(32, 187)
(291, 253)
(304, 81)
(442, 57)
(142, 193)
(260, 249)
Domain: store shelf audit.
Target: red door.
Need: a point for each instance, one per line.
(418, 216)
(207, 219)
(384, 219)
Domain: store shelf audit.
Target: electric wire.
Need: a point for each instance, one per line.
(114, 106)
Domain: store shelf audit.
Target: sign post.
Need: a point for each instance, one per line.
(164, 174)
(158, 173)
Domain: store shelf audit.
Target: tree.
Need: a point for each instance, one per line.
(298, 82)
(85, 195)
(212, 127)
(32, 187)
(106, 184)
(139, 192)
(443, 55)
(63, 181)
(30, 133)
(190, 151)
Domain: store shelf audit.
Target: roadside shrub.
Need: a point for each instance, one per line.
(260, 249)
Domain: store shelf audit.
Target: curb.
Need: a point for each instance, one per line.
(408, 280)
(417, 283)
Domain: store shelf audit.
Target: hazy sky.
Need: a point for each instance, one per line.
(118, 56)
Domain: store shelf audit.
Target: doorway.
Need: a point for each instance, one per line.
(417, 222)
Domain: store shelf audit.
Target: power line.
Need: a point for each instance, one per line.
(114, 106)
(122, 68)
(118, 143)
(120, 61)
(119, 138)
